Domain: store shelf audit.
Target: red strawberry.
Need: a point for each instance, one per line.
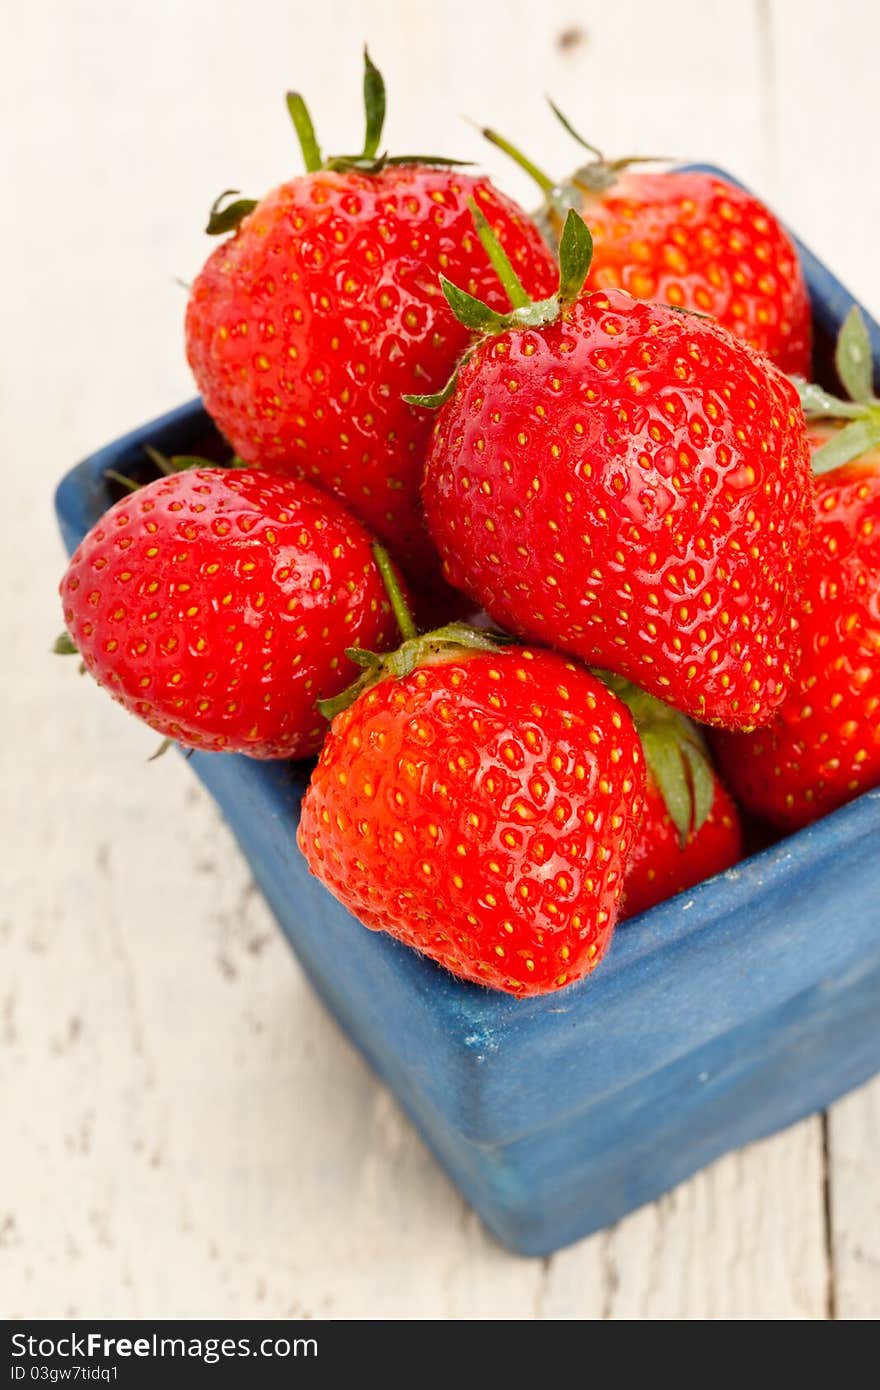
(217, 606)
(630, 484)
(306, 328)
(823, 747)
(691, 240)
(690, 828)
(479, 803)
(661, 866)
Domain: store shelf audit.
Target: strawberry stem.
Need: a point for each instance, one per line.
(575, 135)
(227, 218)
(595, 177)
(575, 254)
(398, 603)
(500, 261)
(544, 182)
(374, 106)
(305, 132)
(600, 173)
(161, 461)
(128, 483)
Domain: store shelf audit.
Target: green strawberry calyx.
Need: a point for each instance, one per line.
(592, 179)
(226, 217)
(446, 643)
(167, 465)
(575, 255)
(674, 752)
(854, 361)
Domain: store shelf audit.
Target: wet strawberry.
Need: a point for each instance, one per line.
(306, 328)
(823, 747)
(217, 606)
(482, 810)
(478, 801)
(631, 485)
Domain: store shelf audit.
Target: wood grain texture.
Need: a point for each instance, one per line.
(186, 1133)
(854, 1203)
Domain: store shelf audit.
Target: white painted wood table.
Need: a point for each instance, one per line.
(184, 1130)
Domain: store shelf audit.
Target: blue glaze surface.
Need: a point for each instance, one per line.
(718, 1017)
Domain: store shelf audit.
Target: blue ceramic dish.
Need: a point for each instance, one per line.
(717, 1018)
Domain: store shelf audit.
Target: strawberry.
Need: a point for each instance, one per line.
(479, 803)
(692, 240)
(690, 828)
(630, 484)
(217, 604)
(305, 329)
(823, 747)
(661, 866)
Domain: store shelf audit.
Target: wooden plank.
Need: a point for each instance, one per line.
(744, 1239)
(854, 1203)
(821, 64)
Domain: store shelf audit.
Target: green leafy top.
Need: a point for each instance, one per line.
(575, 255)
(166, 466)
(374, 106)
(595, 176)
(369, 161)
(443, 644)
(599, 173)
(854, 361)
(674, 752)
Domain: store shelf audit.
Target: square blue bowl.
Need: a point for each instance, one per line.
(717, 1018)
